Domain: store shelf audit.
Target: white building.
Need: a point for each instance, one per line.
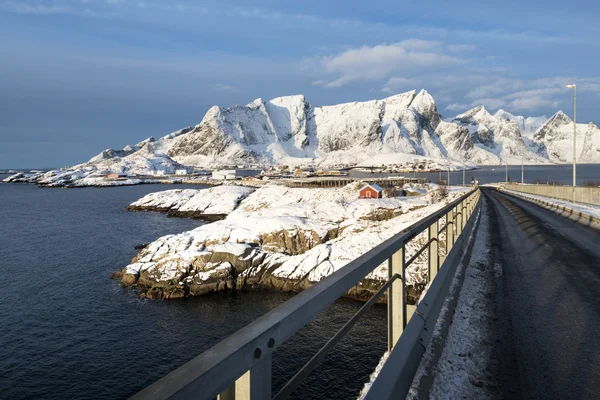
(233, 174)
(159, 173)
(181, 172)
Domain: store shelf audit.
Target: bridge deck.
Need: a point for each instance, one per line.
(551, 296)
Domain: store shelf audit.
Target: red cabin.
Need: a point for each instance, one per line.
(371, 191)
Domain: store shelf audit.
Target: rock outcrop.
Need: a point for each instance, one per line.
(280, 238)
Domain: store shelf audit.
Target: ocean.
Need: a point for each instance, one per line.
(70, 331)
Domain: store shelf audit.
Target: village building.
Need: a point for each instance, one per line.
(181, 172)
(370, 191)
(233, 174)
(114, 176)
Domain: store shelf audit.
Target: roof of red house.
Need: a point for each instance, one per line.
(373, 186)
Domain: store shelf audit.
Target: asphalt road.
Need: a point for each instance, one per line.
(549, 299)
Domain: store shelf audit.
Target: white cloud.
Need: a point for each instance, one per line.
(401, 81)
(458, 107)
(226, 88)
(461, 48)
(490, 103)
(369, 63)
(527, 95)
(533, 103)
(395, 83)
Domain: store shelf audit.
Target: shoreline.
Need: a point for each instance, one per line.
(171, 213)
(361, 292)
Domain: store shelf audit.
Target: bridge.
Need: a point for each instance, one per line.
(549, 303)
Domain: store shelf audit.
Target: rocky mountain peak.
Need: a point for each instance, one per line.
(256, 103)
(425, 105)
(502, 114)
(400, 100)
(477, 113)
(560, 118)
(145, 142)
(552, 127)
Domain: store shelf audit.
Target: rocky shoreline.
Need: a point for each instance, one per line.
(230, 281)
(276, 238)
(180, 214)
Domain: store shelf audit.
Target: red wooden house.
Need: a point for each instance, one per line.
(370, 191)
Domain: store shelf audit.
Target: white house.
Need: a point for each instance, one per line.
(181, 172)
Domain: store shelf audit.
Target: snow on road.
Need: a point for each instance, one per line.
(467, 365)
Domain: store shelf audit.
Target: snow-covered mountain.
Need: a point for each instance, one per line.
(400, 129)
(404, 127)
(528, 126)
(555, 140)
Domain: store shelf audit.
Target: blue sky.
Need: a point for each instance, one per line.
(79, 76)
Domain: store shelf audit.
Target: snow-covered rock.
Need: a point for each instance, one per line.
(278, 237)
(210, 203)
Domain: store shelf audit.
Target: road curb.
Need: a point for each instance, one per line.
(576, 216)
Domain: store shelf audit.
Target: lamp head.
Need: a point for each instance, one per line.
(571, 86)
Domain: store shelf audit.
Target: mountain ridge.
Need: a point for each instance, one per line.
(290, 130)
(400, 129)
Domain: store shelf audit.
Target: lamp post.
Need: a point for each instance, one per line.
(448, 183)
(522, 170)
(506, 179)
(574, 87)
(463, 174)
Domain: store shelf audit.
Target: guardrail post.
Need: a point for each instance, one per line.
(458, 220)
(464, 215)
(254, 384)
(396, 298)
(434, 251)
(449, 231)
(469, 206)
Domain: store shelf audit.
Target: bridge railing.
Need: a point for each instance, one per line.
(578, 194)
(239, 367)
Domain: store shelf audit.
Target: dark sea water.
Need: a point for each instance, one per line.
(69, 331)
(491, 174)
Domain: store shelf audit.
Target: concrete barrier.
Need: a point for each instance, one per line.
(579, 194)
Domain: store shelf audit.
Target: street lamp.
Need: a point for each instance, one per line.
(574, 87)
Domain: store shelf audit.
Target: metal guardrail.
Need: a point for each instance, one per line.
(578, 194)
(577, 216)
(239, 367)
